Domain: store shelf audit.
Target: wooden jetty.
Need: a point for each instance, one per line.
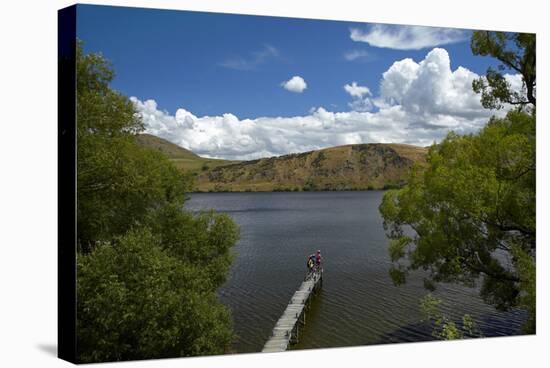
(287, 328)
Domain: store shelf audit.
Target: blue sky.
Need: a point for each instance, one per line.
(210, 64)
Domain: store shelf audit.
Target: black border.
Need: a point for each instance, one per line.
(66, 184)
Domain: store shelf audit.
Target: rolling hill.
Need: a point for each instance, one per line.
(184, 159)
(350, 167)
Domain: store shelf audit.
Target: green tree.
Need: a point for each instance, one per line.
(118, 181)
(148, 271)
(137, 301)
(204, 240)
(516, 53)
(469, 213)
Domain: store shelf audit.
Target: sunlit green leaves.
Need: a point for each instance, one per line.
(461, 213)
(397, 247)
(136, 301)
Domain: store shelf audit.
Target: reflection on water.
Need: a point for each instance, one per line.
(358, 304)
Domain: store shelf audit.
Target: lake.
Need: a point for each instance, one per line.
(358, 304)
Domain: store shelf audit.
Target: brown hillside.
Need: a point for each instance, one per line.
(350, 167)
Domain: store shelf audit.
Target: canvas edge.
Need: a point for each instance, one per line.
(66, 176)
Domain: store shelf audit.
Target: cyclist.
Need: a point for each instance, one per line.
(310, 263)
(318, 259)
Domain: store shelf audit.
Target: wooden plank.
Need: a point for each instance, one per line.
(274, 348)
(277, 349)
(280, 333)
(287, 324)
(288, 316)
(277, 341)
(293, 307)
(276, 344)
(294, 311)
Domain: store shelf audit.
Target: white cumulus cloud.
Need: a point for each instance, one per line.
(355, 90)
(360, 95)
(430, 90)
(295, 84)
(407, 37)
(419, 103)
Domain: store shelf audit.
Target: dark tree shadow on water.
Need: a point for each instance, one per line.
(50, 349)
(492, 325)
(417, 332)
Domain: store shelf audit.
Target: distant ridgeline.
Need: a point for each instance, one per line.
(350, 167)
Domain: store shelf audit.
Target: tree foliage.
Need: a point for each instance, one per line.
(147, 270)
(137, 301)
(118, 182)
(443, 327)
(517, 53)
(470, 212)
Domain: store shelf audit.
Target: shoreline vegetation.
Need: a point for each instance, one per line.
(301, 190)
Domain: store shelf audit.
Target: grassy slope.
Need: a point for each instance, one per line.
(350, 167)
(184, 159)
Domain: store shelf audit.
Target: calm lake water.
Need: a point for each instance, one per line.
(358, 304)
